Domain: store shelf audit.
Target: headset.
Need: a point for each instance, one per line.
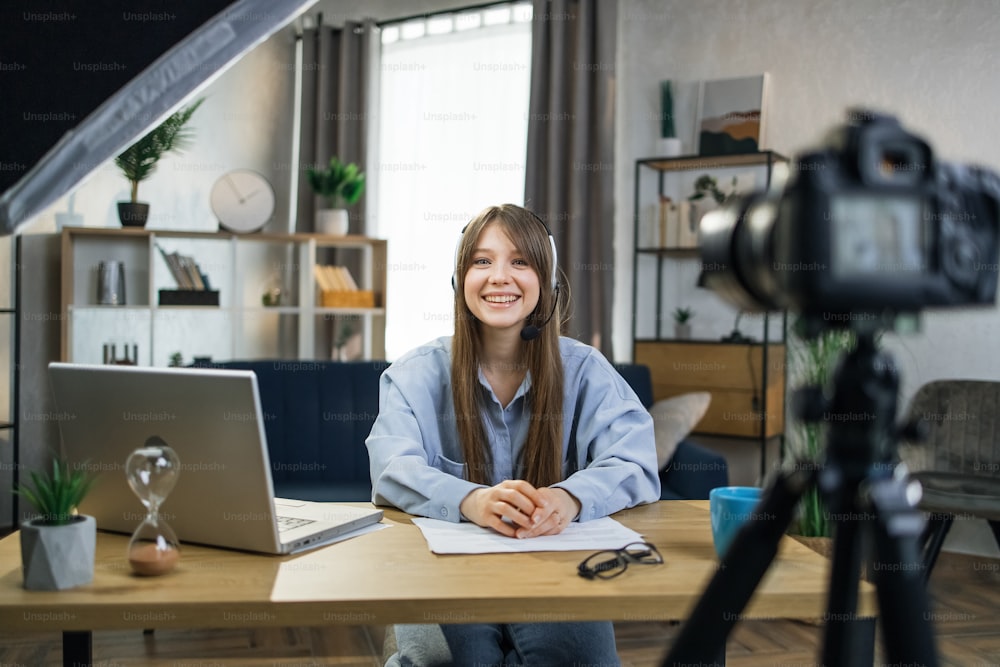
(530, 331)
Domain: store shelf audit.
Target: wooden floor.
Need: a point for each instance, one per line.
(966, 612)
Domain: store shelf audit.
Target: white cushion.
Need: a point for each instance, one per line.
(673, 419)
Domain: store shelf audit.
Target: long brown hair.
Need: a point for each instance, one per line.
(541, 457)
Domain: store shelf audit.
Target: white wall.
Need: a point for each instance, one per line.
(930, 62)
(244, 122)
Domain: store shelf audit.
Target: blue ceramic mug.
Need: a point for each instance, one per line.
(730, 507)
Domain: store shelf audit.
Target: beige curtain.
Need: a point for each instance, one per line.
(569, 178)
(335, 107)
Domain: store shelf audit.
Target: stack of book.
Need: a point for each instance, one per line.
(678, 224)
(193, 286)
(339, 290)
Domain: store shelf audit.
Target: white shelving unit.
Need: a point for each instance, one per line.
(241, 268)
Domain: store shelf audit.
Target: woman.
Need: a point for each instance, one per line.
(512, 427)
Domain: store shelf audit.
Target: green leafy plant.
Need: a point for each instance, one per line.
(683, 315)
(345, 333)
(813, 361)
(56, 495)
(340, 184)
(138, 161)
(708, 186)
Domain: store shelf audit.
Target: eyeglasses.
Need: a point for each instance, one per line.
(611, 563)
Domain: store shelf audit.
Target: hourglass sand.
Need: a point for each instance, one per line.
(152, 472)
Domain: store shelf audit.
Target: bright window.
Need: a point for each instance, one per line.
(452, 122)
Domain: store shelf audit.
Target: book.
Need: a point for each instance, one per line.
(322, 279)
(334, 279)
(174, 265)
(192, 273)
(347, 278)
(184, 270)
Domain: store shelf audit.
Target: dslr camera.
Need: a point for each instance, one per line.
(868, 227)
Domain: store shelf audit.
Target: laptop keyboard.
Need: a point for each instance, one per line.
(289, 522)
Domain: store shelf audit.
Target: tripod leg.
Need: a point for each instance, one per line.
(842, 604)
(904, 605)
(702, 639)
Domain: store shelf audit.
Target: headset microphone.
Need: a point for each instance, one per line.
(531, 332)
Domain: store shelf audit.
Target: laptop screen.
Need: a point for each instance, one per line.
(210, 417)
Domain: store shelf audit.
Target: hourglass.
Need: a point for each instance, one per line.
(152, 472)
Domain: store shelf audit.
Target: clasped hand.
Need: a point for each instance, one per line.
(515, 508)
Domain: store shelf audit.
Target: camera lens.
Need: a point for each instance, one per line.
(737, 254)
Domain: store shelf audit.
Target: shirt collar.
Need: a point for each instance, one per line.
(521, 390)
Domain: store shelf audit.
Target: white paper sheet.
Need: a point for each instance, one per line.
(445, 537)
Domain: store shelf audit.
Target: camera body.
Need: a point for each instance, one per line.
(869, 225)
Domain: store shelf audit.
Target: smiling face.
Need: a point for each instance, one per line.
(501, 287)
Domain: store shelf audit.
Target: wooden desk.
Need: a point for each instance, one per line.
(390, 577)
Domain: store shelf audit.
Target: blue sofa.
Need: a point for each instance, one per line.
(317, 415)
(693, 471)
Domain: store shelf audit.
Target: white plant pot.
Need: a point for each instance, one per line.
(669, 147)
(682, 331)
(57, 557)
(332, 221)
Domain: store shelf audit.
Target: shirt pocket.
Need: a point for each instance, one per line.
(453, 468)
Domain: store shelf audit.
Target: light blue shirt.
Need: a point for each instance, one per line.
(608, 450)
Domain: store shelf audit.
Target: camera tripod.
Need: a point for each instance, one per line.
(871, 503)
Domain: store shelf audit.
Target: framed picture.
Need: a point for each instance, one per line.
(731, 115)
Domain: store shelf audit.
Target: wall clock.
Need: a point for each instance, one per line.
(242, 200)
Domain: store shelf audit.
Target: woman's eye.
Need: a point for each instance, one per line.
(481, 261)
(520, 262)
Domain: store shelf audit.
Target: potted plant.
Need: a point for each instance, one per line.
(706, 188)
(707, 196)
(345, 332)
(670, 145)
(341, 185)
(57, 547)
(682, 323)
(813, 361)
(138, 161)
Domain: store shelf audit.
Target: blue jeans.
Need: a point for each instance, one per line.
(508, 645)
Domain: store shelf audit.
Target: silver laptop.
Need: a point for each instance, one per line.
(212, 418)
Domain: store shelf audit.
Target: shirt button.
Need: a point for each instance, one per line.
(444, 511)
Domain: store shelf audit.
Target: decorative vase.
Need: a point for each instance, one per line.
(54, 558)
(687, 235)
(133, 214)
(669, 147)
(682, 331)
(699, 207)
(332, 221)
